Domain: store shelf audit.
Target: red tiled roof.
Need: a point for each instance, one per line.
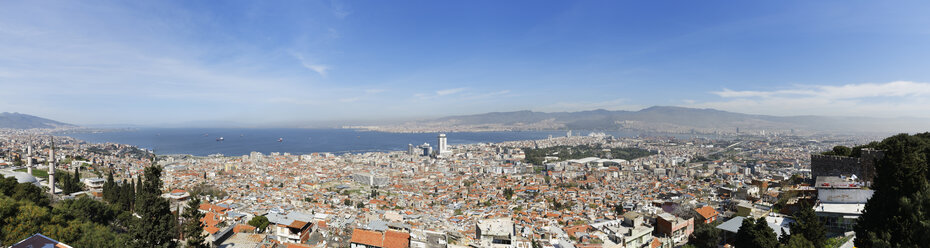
(706, 212)
(212, 208)
(395, 239)
(297, 224)
(292, 245)
(366, 237)
(240, 228)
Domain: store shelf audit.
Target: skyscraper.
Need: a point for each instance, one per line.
(411, 150)
(443, 148)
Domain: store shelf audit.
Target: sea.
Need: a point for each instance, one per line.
(236, 142)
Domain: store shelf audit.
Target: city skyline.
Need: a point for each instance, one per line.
(271, 63)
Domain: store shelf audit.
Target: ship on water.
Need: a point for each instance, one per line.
(280, 139)
(220, 139)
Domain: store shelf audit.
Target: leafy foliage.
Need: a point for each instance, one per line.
(798, 241)
(260, 222)
(70, 183)
(704, 236)
(80, 222)
(898, 214)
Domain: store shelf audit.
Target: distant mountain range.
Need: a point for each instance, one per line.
(661, 119)
(24, 121)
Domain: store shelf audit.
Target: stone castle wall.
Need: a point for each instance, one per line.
(829, 165)
(863, 167)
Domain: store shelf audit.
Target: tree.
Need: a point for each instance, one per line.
(156, 227)
(764, 235)
(798, 241)
(618, 210)
(842, 151)
(508, 193)
(897, 213)
(31, 193)
(755, 233)
(108, 189)
(193, 227)
(87, 209)
(76, 181)
(20, 219)
(704, 236)
(808, 225)
(81, 222)
(259, 222)
(126, 195)
(7, 184)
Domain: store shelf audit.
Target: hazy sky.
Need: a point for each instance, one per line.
(263, 62)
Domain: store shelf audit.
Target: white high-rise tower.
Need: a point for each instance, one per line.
(443, 149)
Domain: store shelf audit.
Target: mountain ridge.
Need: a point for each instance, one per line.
(24, 121)
(660, 119)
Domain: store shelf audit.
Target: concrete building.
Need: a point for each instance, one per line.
(674, 227)
(293, 227)
(632, 232)
(94, 183)
(840, 202)
(495, 233)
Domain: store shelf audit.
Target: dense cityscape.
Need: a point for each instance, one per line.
(464, 124)
(469, 195)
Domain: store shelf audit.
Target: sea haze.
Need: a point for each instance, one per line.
(202, 141)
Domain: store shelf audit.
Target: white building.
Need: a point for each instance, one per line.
(443, 149)
(495, 233)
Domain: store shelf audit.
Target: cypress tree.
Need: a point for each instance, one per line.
(808, 225)
(745, 234)
(756, 233)
(764, 237)
(193, 227)
(76, 182)
(156, 227)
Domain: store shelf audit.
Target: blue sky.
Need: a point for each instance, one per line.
(285, 63)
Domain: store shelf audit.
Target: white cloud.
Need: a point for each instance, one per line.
(374, 91)
(339, 9)
(848, 91)
(891, 99)
(449, 91)
(318, 68)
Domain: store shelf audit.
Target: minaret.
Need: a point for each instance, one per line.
(51, 167)
(29, 159)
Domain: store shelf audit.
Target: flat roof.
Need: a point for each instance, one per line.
(840, 208)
